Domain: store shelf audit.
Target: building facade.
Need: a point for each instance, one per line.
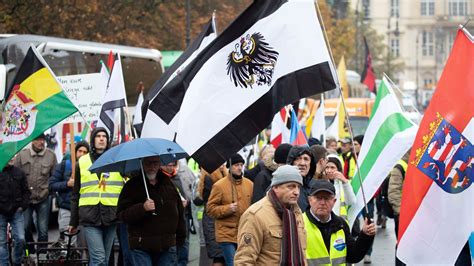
(420, 33)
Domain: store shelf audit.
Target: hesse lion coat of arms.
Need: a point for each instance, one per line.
(251, 62)
(447, 157)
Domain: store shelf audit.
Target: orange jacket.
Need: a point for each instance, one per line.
(225, 192)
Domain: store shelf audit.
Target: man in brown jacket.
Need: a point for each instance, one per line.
(274, 221)
(229, 199)
(38, 163)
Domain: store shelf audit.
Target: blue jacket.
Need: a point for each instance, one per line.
(58, 184)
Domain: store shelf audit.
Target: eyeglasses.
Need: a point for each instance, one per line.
(151, 162)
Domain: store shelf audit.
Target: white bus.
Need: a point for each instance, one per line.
(71, 57)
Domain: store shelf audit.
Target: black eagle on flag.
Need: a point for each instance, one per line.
(252, 61)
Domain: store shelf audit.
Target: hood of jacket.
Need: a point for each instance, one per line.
(297, 151)
(92, 140)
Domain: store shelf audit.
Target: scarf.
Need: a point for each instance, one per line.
(291, 252)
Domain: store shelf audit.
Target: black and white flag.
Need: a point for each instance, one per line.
(153, 125)
(272, 55)
(115, 98)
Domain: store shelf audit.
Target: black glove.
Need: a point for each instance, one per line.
(192, 229)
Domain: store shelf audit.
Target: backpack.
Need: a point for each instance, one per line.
(384, 193)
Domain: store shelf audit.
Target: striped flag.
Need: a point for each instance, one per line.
(272, 55)
(137, 117)
(338, 127)
(318, 128)
(280, 128)
(35, 103)
(436, 213)
(153, 125)
(297, 136)
(368, 75)
(115, 98)
(341, 73)
(388, 137)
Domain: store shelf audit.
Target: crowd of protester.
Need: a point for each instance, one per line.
(294, 200)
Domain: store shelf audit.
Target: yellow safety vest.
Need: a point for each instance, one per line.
(316, 252)
(342, 202)
(403, 164)
(193, 166)
(352, 165)
(94, 191)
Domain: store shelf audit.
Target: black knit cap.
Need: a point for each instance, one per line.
(359, 138)
(313, 141)
(82, 144)
(235, 158)
(335, 160)
(281, 153)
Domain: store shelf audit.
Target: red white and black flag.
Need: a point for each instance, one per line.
(368, 75)
(272, 55)
(153, 125)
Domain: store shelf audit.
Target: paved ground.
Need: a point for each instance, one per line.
(383, 250)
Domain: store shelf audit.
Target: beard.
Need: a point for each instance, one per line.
(151, 176)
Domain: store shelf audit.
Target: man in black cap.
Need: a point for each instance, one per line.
(329, 240)
(230, 197)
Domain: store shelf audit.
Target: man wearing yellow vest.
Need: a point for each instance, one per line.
(348, 157)
(328, 237)
(94, 201)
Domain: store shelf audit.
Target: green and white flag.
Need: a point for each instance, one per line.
(388, 137)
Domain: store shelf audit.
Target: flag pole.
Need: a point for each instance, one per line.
(72, 151)
(345, 109)
(144, 183)
(127, 113)
(401, 92)
(41, 59)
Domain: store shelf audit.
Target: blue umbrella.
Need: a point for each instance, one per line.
(126, 157)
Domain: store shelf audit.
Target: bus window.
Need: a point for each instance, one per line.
(71, 57)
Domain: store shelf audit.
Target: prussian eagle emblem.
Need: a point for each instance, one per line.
(251, 62)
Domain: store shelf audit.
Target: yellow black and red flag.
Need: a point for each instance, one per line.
(36, 102)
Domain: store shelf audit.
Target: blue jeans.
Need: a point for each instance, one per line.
(122, 235)
(18, 232)
(42, 220)
(183, 253)
(228, 249)
(99, 243)
(144, 258)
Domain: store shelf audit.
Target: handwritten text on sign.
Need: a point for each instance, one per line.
(86, 91)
